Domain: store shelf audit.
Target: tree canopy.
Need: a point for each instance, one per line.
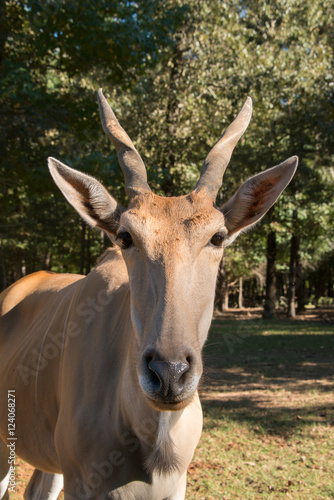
(176, 73)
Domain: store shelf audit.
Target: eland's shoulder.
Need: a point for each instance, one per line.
(33, 283)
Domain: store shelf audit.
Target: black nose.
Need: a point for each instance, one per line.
(168, 378)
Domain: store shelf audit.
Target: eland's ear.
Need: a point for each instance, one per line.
(87, 195)
(256, 196)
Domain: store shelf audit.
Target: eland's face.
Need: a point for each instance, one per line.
(172, 248)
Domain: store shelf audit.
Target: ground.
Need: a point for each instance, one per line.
(268, 403)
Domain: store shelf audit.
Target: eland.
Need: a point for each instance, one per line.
(102, 370)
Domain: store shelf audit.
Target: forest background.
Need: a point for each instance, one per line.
(176, 74)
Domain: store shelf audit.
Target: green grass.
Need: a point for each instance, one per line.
(268, 401)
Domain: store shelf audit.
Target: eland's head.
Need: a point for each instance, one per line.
(172, 248)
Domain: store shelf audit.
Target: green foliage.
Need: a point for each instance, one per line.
(176, 73)
(53, 56)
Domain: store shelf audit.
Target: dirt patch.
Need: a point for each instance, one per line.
(23, 473)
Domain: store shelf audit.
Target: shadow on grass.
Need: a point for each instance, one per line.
(276, 376)
(282, 421)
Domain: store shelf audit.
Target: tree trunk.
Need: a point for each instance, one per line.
(225, 306)
(88, 253)
(82, 248)
(300, 285)
(222, 288)
(23, 268)
(292, 279)
(3, 277)
(47, 261)
(102, 242)
(296, 286)
(330, 284)
(240, 299)
(269, 308)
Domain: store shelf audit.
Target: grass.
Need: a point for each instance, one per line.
(268, 403)
(268, 412)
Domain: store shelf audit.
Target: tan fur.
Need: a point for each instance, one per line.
(19, 290)
(195, 207)
(33, 283)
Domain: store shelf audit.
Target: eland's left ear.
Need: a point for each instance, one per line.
(87, 195)
(256, 196)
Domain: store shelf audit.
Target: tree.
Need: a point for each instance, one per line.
(52, 55)
(176, 74)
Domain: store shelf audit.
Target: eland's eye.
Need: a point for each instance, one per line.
(126, 240)
(217, 239)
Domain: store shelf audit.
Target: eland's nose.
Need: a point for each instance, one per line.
(168, 377)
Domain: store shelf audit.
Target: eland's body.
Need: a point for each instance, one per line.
(105, 368)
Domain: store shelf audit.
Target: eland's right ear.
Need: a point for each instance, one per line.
(87, 195)
(256, 196)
